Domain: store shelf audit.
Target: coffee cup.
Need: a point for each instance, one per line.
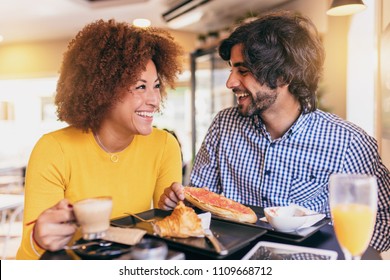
(93, 216)
(149, 249)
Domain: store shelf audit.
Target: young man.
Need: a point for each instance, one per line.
(276, 147)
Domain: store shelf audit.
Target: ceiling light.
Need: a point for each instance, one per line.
(1, 38)
(185, 20)
(345, 7)
(141, 22)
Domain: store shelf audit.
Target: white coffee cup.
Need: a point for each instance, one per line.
(149, 249)
(93, 216)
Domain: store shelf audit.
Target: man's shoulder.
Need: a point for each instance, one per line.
(230, 111)
(332, 119)
(231, 114)
(337, 123)
(231, 117)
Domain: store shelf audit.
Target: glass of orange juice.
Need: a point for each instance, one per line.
(353, 206)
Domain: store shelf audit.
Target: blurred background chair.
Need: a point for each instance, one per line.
(11, 210)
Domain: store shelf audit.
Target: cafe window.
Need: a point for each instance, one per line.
(26, 112)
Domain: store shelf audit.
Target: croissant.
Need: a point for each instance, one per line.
(182, 223)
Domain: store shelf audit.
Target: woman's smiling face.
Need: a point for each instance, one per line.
(134, 112)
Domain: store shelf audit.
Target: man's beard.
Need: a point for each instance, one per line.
(262, 101)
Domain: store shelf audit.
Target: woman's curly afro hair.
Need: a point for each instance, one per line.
(102, 61)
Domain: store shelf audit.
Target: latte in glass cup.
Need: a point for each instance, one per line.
(93, 216)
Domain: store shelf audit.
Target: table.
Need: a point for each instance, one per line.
(323, 239)
(11, 179)
(15, 204)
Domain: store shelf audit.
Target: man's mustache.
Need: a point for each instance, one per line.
(240, 90)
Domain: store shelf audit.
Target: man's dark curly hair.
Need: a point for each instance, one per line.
(281, 48)
(103, 60)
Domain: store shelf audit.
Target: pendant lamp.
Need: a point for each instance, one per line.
(345, 7)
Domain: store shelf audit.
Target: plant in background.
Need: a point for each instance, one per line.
(321, 103)
(201, 41)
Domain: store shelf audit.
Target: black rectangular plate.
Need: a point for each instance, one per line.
(233, 236)
(296, 236)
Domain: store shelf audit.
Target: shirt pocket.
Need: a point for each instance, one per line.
(308, 185)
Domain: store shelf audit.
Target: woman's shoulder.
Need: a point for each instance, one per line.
(158, 137)
(64, 135)
(68, 131)
(157, 143)
(158, 133)
(65, 131)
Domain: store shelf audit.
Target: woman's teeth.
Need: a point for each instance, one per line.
(145, 114)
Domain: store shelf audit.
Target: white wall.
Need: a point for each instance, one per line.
(385, 142)
(361, 69)
(19, 134)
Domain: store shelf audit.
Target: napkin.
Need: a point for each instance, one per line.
(302, 211)
(206, 219)
(128, 236)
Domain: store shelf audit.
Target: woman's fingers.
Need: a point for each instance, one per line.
(55, 236)
(171, 196)
(178, 191)
(55, 226)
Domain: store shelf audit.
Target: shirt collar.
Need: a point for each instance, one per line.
(298, 125)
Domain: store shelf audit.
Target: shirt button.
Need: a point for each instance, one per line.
(267, 172)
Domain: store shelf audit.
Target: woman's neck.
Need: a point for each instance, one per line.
(111, 141)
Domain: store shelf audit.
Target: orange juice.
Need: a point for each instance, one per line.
(353, 224)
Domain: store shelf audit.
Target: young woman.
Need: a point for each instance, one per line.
(112, 81)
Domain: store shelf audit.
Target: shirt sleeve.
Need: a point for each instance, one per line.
(205, 172)
(363, 157)
(45, 185)
(170, 167)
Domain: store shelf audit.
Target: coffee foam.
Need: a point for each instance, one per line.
(93, 214)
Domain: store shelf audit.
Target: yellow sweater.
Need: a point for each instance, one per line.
(68, 163)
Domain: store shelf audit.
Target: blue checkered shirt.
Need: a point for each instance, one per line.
(239, 159)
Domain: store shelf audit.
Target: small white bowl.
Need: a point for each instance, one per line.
(285, 219)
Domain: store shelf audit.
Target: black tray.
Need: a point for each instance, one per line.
(296, 236)
(232, 235)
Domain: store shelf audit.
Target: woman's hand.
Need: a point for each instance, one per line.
(55, 227)
(171, 196)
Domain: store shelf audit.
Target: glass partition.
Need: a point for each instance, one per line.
(209, 94)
